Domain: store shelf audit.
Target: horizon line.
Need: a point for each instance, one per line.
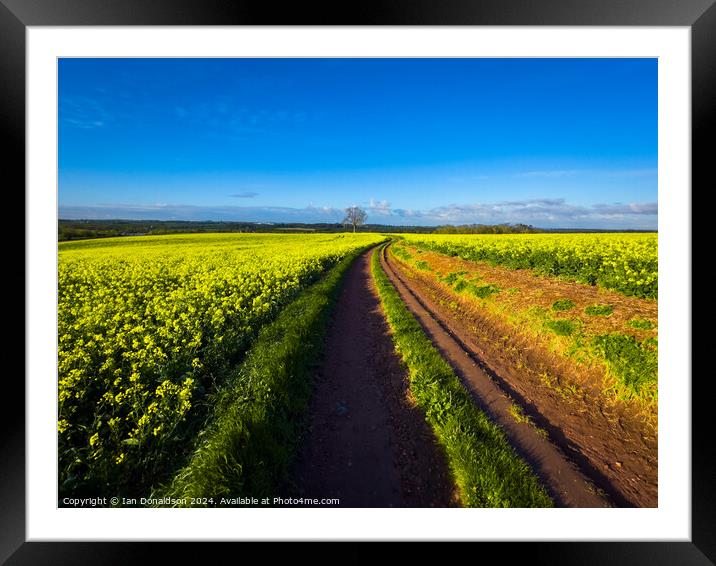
(367, 224)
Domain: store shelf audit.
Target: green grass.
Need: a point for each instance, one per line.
(634, 364)
(402, 253)
(462, 285)
(631, 363)
(423, 265)
(599, 310)
(519, 415)
(562, 326)
(483, 291)
(486, 469)
(247, 447)
(451, 278)
(641, 324)
(563, 305)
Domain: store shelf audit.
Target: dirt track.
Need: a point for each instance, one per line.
(366, 444)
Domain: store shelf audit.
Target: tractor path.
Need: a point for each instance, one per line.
(366, 443)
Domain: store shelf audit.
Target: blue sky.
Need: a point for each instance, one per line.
(549, 142)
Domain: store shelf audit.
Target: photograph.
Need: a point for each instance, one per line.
(357, 282)
(409, 274)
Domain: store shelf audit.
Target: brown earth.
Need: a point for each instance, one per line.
(366, 443)
(522, 287)
(612, 443)
(575, 373)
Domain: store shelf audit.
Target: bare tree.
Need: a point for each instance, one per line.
(355, 216)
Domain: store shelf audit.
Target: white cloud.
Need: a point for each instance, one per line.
(381, 208)
(83, 112)
(247, 194)
(545, 212)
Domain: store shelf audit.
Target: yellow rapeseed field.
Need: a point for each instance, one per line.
(147, 327)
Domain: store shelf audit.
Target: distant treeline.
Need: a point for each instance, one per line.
(488, 229)
(86, 229)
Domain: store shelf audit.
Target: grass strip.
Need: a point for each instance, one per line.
(633, 363)
(247, 447)
(563, 305)
(599, 310)
(487, 470)
(641, 324)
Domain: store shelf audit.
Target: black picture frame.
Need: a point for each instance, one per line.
(17, 15)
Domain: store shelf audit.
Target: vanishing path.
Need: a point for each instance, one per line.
(366, 444)
(563, 479)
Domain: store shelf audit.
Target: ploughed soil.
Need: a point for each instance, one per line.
(366, 443)
(522, 287)
(610, 442)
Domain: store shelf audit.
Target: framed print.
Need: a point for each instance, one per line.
(389, 276)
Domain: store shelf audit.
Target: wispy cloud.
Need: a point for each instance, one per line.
(248, 194)
(225, 116)
(644, 208)
(83, 112)
(84, 124)
(549, 173)
(610, 173)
